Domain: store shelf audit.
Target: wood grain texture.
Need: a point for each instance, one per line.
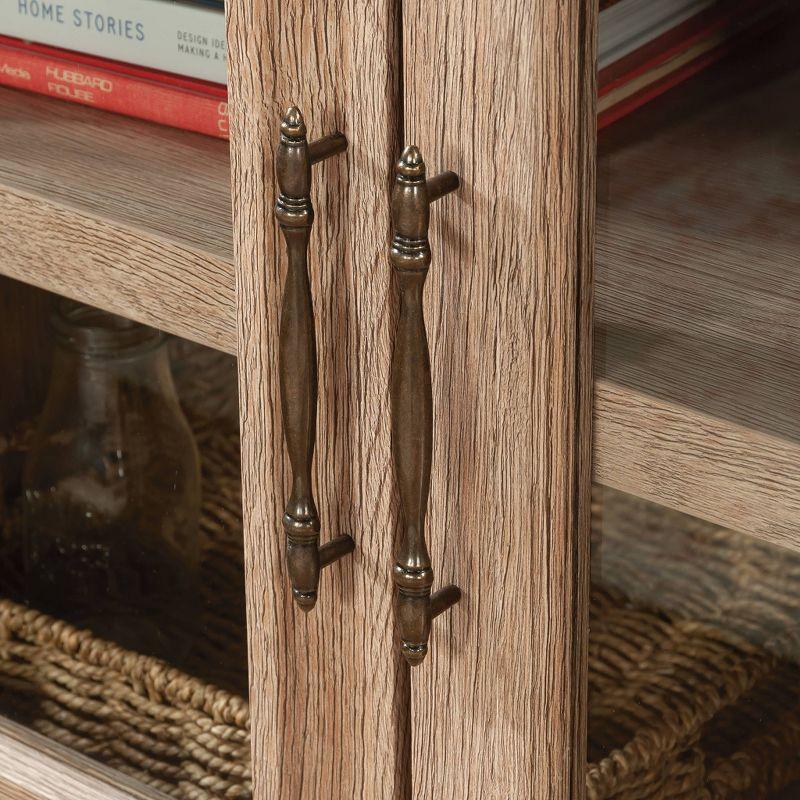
(11, 792)
(503, 94)
(698, 291)
(683, 458)
(130, 217)
(328, 691)
(34, 768)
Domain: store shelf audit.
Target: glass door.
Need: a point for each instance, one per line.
(122, 620)
(694, 644)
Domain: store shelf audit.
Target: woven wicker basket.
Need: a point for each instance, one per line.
(693, 692)
(167, 727)
(693, 676)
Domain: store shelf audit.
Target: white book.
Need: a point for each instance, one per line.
(631, 24)
(190, 39)
(162, 34)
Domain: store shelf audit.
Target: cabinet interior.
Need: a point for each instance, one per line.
(137, 704)
(694, 617)
(697, 296)
(686, 298)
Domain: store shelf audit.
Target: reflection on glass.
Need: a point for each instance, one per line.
(694, 686)
(121, 540)
(112, 487)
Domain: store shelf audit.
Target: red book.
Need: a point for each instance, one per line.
(675, 56)
(186, 103)
(672, 42)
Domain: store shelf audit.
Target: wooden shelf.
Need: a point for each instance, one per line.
(698, 301)
(131, 217)
(34, 768)
(698, 274)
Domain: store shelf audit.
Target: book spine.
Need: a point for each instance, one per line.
(161, 34)
(105, 89)
(616, 38)
(698, 55)
(680, 38)
(653, 90)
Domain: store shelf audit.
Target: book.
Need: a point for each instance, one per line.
(154, 96)
(651, 84)
(189, 38)
(675, 56)
(179, 37)
(627, 25)
(643, 73)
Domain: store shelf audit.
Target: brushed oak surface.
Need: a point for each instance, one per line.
(125, 215)
(503, 94)
(328, 692)
(698, 299)
(697, 463)
(12, 792)
(34, 768)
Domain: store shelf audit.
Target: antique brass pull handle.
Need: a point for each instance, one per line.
(298, 356)
(412, 403)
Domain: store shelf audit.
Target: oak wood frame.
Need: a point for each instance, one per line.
(329, 695)
(504, 94)
(34, 768)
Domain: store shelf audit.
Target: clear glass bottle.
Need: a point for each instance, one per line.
(112, 488)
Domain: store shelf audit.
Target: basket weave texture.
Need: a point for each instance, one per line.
(693, 652)
(170, 729)
(693, 688)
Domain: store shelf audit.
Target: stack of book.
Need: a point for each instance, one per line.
(164, 60)
(159, 60)
(648, 46)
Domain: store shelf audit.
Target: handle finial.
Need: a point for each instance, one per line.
(293, 125)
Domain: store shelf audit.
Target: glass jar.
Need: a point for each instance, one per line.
(112, 488)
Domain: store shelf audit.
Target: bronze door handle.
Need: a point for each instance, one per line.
(298, 356)
(412, 403)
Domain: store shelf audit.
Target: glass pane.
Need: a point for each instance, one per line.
(694, 685)
(122, 622)
(694, 665)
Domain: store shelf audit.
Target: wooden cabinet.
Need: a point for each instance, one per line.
(670, 331)
(511, 437)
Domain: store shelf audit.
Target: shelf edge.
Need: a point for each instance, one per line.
(34, 768)
(159, 282)
(705, 466)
